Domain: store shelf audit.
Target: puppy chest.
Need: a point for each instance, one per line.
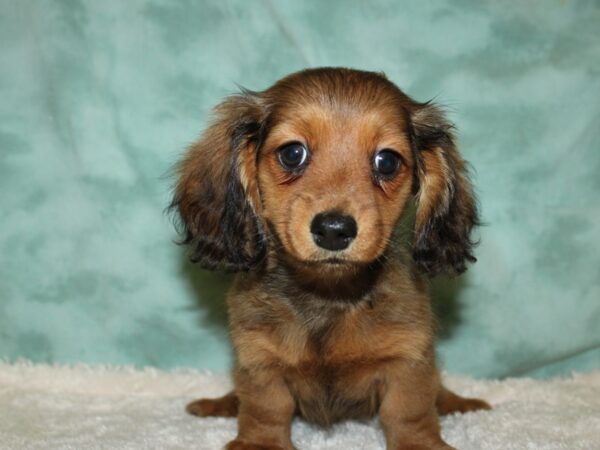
(326, 393)
(341, 373)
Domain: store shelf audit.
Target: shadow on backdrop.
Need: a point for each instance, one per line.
(445, 300)
(209, 292)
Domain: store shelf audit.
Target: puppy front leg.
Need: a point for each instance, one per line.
(266, 409)
(407, 413)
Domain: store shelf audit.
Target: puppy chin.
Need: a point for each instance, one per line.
(328, 267)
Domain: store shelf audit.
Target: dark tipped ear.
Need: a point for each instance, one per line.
(446, 206)
(216, 195)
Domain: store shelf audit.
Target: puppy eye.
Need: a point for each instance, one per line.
(292, 156)
(386, 163)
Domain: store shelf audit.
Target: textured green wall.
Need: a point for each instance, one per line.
(98, 99)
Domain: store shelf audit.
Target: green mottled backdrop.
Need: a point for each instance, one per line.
(98, 99)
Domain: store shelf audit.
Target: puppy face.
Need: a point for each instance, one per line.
(334, 178)
(318, 168)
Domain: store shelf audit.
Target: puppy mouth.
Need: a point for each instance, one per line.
(332, 261)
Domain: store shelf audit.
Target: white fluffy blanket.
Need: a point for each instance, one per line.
(81, 407)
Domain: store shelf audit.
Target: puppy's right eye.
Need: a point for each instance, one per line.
(386, 163)
(293, 156)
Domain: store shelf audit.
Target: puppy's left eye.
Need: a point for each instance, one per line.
(386, 163)
(292, 156)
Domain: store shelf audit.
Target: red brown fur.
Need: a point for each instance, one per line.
(329, 334)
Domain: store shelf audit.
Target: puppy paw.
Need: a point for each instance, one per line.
(240, 445)
(442, 446)
(448, 403)
(473, 404)
(465, 405)
(226, 406)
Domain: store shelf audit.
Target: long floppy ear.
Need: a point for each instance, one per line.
(216, 194)
(446, 206)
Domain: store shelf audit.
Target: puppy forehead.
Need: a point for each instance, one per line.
(343, 126)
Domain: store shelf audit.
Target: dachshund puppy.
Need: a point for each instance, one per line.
(299, 188)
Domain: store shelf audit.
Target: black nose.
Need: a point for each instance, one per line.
(333, 231)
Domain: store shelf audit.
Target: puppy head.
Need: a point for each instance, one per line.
(319, 168)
